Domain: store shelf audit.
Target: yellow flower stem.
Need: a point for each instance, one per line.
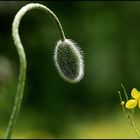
(132, 123)
(125, 93)
(134, 127)
(129, 118)
(122, 105)
(132, 113)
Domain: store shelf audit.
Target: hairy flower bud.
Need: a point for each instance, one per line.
(69, 61)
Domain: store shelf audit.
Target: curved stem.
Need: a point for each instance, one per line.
(22, 58)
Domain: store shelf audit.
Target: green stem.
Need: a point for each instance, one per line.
(119, 93)
(135, 129)
(22, 58)
(131, 121)
(129, 118)
(125, 93)
(124, 111)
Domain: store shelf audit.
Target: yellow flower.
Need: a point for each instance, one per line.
(132, 103)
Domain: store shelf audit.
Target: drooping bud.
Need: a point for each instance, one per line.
(69, 61)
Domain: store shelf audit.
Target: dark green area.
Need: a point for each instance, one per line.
(109, 35)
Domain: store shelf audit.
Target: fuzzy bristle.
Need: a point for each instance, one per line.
(68, 60)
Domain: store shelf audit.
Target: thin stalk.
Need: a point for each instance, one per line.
(129, 118)
(122, 105)
(125, 93)
(134, 127)
(22, 58)
(132, 123)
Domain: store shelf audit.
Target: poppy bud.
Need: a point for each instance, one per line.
(69, 61)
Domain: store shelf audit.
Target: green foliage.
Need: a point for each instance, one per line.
(107, 32)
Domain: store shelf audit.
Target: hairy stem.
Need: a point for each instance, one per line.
(22, 58)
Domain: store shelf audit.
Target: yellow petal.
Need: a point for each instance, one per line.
(138, 102)
(131, 104)
(135, 94)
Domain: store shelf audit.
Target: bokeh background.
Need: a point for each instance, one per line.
(109, 35)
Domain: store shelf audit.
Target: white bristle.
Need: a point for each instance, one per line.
(69, 62)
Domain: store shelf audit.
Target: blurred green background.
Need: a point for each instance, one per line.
(109, 35)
